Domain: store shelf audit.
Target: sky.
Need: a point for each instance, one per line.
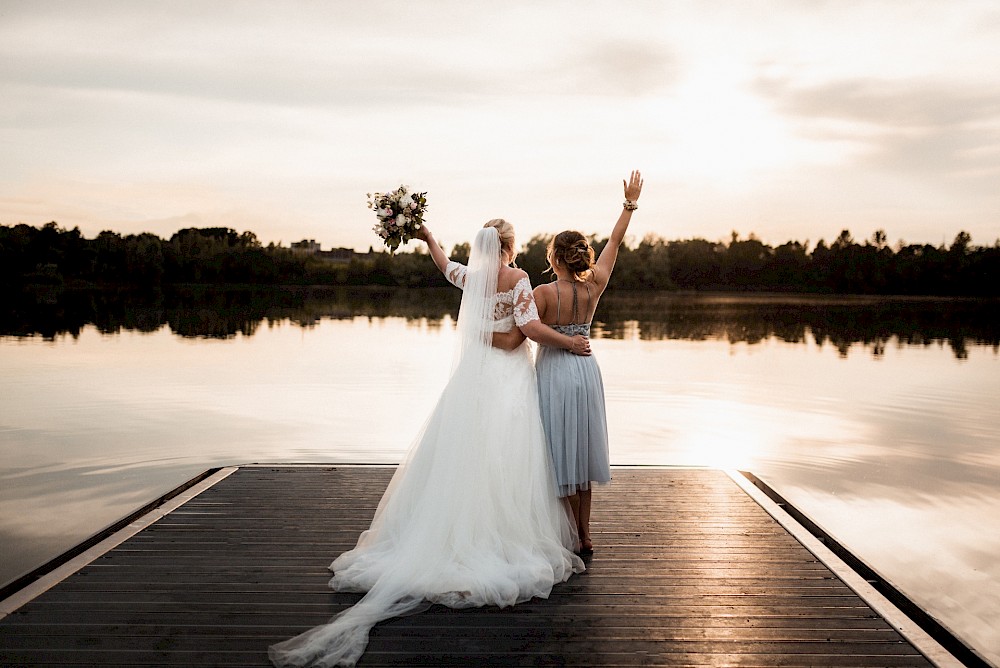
(786, 119)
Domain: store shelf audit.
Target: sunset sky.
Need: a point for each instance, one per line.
(789, 119)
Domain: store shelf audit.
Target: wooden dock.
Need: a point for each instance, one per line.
(689, 569)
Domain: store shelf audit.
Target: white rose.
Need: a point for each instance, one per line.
(400, 220)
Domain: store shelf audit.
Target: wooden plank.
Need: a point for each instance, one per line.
(480, 655)
(651, 623)
(688, 571)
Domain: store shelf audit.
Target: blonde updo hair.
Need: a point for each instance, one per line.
(571, 249)
(506, 232)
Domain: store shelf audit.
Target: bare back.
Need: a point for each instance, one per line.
(556, 300)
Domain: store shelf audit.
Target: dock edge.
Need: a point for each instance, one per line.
(48, 575)
(931, 638)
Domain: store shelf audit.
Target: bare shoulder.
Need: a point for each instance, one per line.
(509, 277)
(517, 273)
(544, 293)
(545, 288)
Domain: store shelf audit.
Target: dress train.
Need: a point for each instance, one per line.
(471, 518)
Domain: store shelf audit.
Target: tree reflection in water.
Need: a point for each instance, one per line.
(875, 322)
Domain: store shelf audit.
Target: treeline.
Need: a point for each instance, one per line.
(51, 255)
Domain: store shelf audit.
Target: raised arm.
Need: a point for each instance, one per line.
(453, 271)
(606, 262)
(436, 252)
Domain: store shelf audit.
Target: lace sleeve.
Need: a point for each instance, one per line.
(524, 303)
(455, 273)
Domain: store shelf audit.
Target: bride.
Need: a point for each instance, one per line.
(471, 517)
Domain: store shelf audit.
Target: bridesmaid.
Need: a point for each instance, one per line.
(570, 389)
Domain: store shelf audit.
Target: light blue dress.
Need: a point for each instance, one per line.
(571, 398)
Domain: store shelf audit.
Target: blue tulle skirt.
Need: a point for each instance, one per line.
(571, 399)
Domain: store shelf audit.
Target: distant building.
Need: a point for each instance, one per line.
(310, 247)
(306, 246)
(337, 254)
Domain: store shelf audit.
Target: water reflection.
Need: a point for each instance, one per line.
(878, 323)
(205, 312)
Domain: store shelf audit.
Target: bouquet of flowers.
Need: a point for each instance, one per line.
(400, 214)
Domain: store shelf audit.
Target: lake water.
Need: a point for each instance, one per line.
(879, 418)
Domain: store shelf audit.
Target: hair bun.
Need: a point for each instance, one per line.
(571, 249)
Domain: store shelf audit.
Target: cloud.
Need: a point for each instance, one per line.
(930, 127)
(893, 104)
(296, 107)
(326, 56)
(614, 68)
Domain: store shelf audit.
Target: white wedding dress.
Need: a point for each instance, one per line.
(471, 517)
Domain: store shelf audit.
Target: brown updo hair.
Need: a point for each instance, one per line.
(506, 232)
(571, 249)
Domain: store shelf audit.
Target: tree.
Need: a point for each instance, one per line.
(460, 252)
(961, 244)
(695, 264)
(789, 267)
(843, 240)
(744, 261)
(144, 259)
(533, 258)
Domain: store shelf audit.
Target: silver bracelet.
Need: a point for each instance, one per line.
(630, 205)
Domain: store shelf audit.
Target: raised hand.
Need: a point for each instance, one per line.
(633, 186)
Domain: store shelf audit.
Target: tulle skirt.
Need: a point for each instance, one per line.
(471, 517)
(571, 396)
